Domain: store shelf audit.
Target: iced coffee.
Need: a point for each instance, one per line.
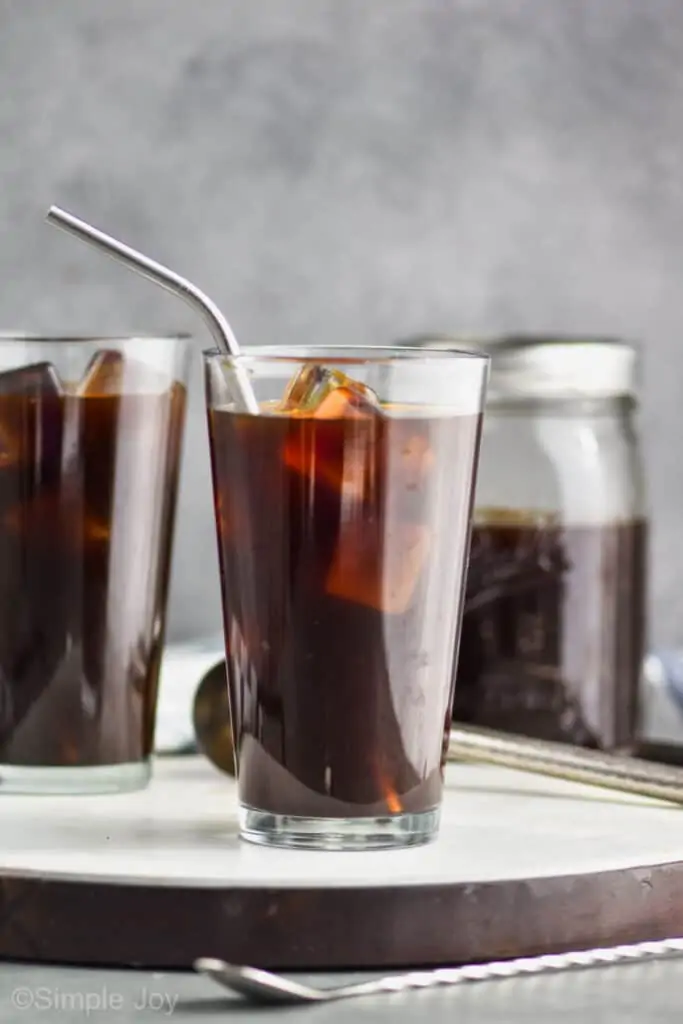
(343, 523)
(88, 476)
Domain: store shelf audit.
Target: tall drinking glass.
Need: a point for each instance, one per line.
(343, 518)
(90, 441)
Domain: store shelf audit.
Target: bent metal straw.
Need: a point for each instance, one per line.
(170, 281)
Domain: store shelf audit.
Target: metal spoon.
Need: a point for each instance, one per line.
(265, 987)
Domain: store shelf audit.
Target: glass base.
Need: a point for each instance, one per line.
(57, 780)
(393, 831)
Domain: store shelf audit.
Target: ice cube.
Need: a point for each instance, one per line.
(346, 468)
(33, 427)
(112, 373)
(33, 381)
(342, 461)
(328, 394)
(380, 575)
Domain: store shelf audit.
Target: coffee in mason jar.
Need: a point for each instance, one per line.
(554, 623)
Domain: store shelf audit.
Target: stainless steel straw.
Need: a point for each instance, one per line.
(171, 282)
(563, 761)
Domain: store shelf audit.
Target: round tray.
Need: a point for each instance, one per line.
(157, 878)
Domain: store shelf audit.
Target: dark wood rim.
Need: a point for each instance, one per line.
(91, 922)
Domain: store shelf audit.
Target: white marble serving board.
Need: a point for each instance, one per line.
(497, 825)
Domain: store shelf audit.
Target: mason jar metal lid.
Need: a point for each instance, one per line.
(550, 366)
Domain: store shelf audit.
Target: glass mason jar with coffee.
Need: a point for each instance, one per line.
(554, 619)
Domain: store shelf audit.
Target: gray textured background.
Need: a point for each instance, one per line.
(352, 170)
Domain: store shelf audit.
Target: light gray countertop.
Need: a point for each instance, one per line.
(612, 995)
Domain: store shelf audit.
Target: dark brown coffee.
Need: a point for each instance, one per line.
(341, 542)
(553, 631)
(87, 495)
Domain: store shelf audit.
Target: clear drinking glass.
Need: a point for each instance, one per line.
(343, 518)
(90, 441)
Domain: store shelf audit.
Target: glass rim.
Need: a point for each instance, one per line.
(346, 355)
(85, 338)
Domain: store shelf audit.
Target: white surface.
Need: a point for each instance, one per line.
(496, 824)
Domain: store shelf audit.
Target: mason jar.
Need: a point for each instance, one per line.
(554, 625)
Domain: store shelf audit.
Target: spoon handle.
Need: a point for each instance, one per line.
(564, 761)
(498, 969)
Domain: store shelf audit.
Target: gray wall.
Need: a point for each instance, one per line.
(350, 170)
